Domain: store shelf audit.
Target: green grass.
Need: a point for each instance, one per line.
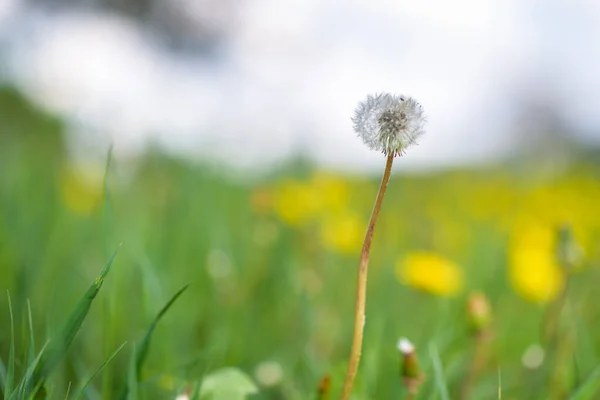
(260, 290)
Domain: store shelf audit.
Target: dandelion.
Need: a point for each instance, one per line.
(410, 372)
(342, 231)
(479, 313)
(81, 187)
(430, 273)
(389, 124)
(534, 270)
(297, 203)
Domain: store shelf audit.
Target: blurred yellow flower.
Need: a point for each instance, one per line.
(534, 271)
(535, 274)
(296, 202)
(343, 232)
(81, 187)
(430, 273)
(332, 189)
(299, 202)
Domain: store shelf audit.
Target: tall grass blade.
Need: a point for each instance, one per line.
(10, 374)
(32, 396)
(589, 389)
(102, 366)
(145, 343)
(2, 375)
(105, 183)
(31, 356)
(499, 384)
(59, 346)
(23, 389)
(141, 353)
(131, 389)
(68, 391)
(195, 395)
(438, 370)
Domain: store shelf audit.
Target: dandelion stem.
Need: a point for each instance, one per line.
(361, 288)
(477, 364)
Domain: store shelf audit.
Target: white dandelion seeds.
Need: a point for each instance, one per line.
(389, 123)
(405, 346)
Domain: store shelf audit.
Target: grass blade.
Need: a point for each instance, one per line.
(102, 366)
(31, 356)
(589, 388)
(438, 370)
(499, 384)
(22, 388)
(10, 374)
(58, 347)
(142, 351)
(195, 395)
(131, 389)
(145, 344)
(68, 391)
(2, 375)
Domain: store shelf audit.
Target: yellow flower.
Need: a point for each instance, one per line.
(298, 202)
(343, 232)
(81, 187)
(535, 274)
(430, 273)
(332, 189)
(534, 271)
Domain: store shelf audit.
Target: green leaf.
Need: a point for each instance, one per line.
(589, 388)
(142, 352)
(58, 347)
(227, 384)
(102, 366)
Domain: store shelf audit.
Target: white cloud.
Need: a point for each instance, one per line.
(293, 71)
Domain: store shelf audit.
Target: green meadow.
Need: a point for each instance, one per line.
(491, 271)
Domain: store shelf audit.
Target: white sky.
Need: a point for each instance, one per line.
(292, 71)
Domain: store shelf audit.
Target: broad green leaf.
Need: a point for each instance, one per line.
(227, 384)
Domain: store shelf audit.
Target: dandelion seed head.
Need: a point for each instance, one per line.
(389, 123)
(405, 346)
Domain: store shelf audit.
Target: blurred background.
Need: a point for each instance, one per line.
(213, 138)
